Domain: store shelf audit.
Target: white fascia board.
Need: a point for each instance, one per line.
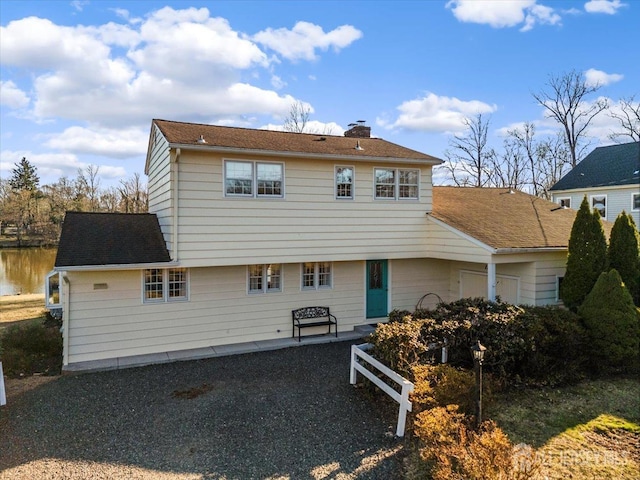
(315, 156)
(457, 232)
(590, 190)
(507, 251)
(124, 266)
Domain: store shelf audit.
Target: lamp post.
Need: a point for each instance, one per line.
(477, 351)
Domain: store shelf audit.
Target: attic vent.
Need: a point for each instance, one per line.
(201, 139)
(358, 147)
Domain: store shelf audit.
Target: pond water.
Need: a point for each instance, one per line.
(23, 270)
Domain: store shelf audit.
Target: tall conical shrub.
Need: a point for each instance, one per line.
(587, 257)
(612, 322)
(624, 253)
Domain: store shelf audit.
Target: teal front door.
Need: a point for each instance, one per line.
(377, 289)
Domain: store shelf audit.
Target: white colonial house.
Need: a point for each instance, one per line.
(247, 225)
(610, 179)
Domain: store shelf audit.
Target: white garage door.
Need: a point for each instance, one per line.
(474, 284)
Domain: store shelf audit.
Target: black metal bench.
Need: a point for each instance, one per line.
(312, 317)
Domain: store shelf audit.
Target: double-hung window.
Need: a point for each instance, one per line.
(253, 179)
(265, 278)
(635, 201)
(565, 202)
(165, 285)
(316, 275)
(396, 184)
(344, 182)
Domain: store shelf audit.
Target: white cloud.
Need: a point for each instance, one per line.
(595, 77)
(12, 96)
(609, 7)
(115, 143)
(277, 82)
(312, 126)
(501, 14)
(301, 42)
(433, 113)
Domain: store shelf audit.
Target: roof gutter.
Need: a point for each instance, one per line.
(506, 251)
(121, 266)
(279, 154)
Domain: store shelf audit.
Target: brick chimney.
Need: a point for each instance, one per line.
(358, 130)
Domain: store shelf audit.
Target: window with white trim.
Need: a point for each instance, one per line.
(316, 275)
(165, 285)
(253, 179)
(396, 184)
(635, 201)
(565, 202)
(599, 202)
(344, 182)
(265, 278)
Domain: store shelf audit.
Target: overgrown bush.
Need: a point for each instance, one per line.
(449, 449)
(556, 341)
(612, 322)
(442, 385)
(541, 345)
(31, 348)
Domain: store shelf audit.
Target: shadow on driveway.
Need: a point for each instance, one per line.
(286, 414)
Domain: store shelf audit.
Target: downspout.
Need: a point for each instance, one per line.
(66, 312)
(491, 282)
(176, 179)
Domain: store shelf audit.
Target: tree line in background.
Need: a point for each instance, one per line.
(530, 161)
(33, 214)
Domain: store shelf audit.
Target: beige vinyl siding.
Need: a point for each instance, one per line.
(446, 244)
(307, 224)
(115, 323)
(159, 184)
(411, 279)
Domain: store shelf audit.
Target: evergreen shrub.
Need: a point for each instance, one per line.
(612, 322)
(624, 254)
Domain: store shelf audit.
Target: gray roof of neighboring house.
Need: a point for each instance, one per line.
(110, 239)
(604, 167)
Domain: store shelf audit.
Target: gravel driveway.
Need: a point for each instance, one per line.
(286, 414)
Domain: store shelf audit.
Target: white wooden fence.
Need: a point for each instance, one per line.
(3, 396)
(358, 353)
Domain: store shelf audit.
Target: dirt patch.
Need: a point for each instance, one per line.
(192, 392)
(622, 441)
(17, 308)
(17, 386)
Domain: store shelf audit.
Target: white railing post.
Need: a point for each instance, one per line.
(354, 359)
(405, 406)
(3, 395)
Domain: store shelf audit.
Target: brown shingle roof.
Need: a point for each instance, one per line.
(268, 140)
(110, 239)
(504, 220)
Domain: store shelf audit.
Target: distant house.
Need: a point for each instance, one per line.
(609, 177)
(247, 225)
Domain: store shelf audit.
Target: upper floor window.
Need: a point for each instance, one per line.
(253, 179)
(265, 278)
(165, 284)
(396, 184)
(565, 202)
(344, 182)
(599, 203)
(635, 201)
(316, 275)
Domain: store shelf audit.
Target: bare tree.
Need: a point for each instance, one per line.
(629, 118)
(554, 161)
(471, 160)
(133, 194)
(298, 117)
(565, 102)
(509, 170)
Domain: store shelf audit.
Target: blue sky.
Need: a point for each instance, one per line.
(81, 80)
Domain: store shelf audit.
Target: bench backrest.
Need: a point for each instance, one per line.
(310, 312)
